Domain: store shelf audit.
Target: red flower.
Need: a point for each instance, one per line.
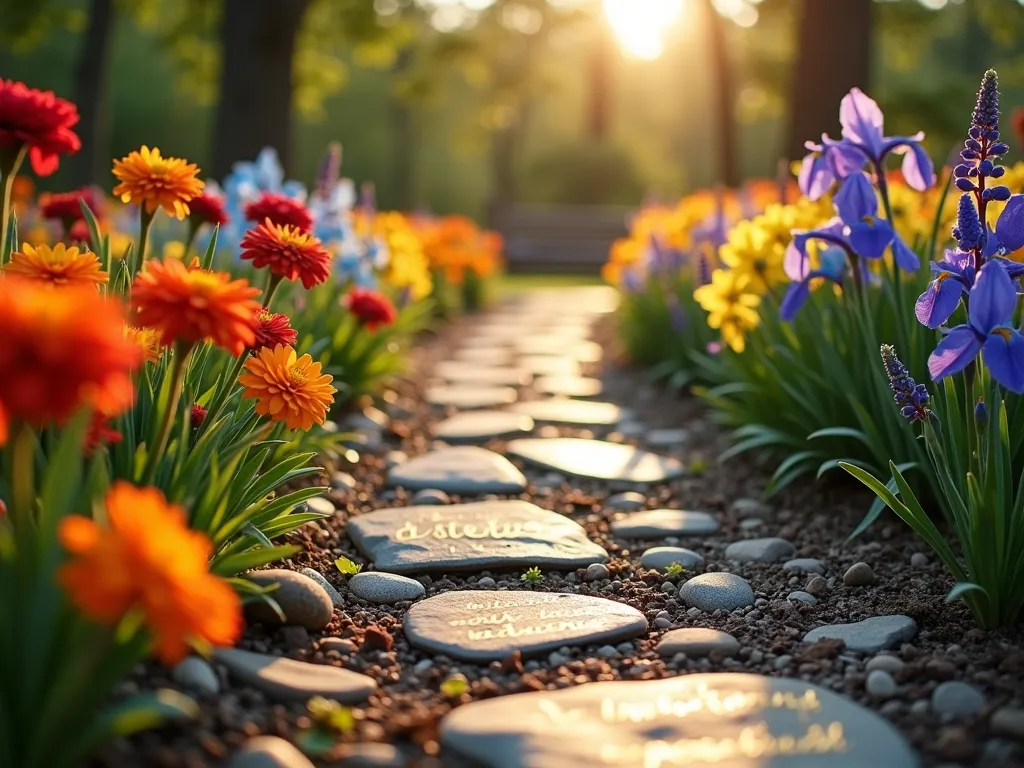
(66, 207)
(372, 309)
(40, 121)
(1017, 124)
(198, 416)
(79, 233)
(208, 209)
(100, 433)
(273, 329)
(281, 210)
(288, 252)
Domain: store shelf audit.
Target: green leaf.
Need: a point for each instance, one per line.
(253, 558)
(347, 567)
(962, 588)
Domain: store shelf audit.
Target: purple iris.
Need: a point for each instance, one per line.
(868, 234)
(863, 142)
(833, 267)
(951, 279)
(993, 299)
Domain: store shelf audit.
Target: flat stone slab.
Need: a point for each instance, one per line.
(713, 591)
(484, 626)
(481, 426)
(760, 550)
(567, 411)
(491, 355)
(596, 459)
(474, 373)
(722, 720)
(568, 386)
(487, 534)
(290, 680)
(461, 469)
(868, 636)
(550, 344)
(470, 396)
(658, 523)
(549, 365)
(696, 642)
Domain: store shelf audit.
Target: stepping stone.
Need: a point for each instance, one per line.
(487, 534)
(470, 373)
(585, 412)
(385, 588)
(692, 721)
(268, 752)
(695, 642)
(549, 365)
(759, 551)
(628, 501)
(470, 396)
(713, 591)
(658, 523)
(868, 636)
(484, 355)
(580, 351)
(484, 626)
(289, 680)
(596, 459)
(568, 386)
(461, 470)
(481, 426)
(660, 558)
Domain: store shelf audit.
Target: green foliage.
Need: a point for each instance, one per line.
(330, 720)
(347, 567)
(973, 465)
(674, 570)
(586, 173)
(532, 576)
(454, 686)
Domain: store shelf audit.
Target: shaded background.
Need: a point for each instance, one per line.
(463, 105)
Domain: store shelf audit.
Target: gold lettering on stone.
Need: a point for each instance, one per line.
(492, 529)
(706, 700)
(512, 630)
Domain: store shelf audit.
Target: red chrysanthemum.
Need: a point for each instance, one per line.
(79, 233)
(100, 433)
(39, 120)
(273, 329)
(66, 207)
(288, 252)
(208, 209)
(283, 211)
(371, 308)
(198, 416)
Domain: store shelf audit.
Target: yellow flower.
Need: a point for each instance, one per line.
(148, 340)
(408, 268)
(758, 252)
(731, 306)
(58, 266)
(174, 249)
(152, 181)
(288, 388)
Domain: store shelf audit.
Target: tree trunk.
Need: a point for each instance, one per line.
(404, 148)
(91, 163)
(257, 48)
(725, 98)
(834, 45)
(601, 58)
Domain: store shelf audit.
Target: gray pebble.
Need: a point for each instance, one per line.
(750, 508)
(886, 663)
(268, 752)
(343, 481)
(607, 652)
(596, 571)
(714, 591)
(423, 666)
(486, 582)
(956, 699)
(660, 558)
(342, 645)
(626, 502)
(769, 550)
(920, 707)
(320, 579)
(919, 560)
(782, 662)
(804, 565)
(196, 674)
(802, 597)
(817, 585)
(756, 657)
(371, 755)
(661, 623)
(321, 505)
(859, 575)
(1008, 722)
(385, 588)
(880, 684)
(303, 601)
(430, 496)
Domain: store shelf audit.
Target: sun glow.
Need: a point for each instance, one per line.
(640, 25)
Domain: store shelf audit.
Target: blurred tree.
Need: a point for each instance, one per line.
(91, 86)
(724, 95)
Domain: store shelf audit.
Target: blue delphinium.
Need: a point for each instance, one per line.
(909, 395)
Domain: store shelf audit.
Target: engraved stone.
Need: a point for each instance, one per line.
(483, 626)
(481, 426)
(696, 721)
(488, 534)
(597, 459)
(462, 470)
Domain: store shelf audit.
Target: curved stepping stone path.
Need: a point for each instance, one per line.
(869, 635)
(693, 721)
(470, 396)
(585, 412)
(490, 355)
(568, 386)
(482, 626)
(481, 426)
(461, 470)
(578, 350)
(595, 459)
(488, 534)
(657, 523)
(290, 680)
(696, 641)
(474, 373)
(713, 591)
(549, 365)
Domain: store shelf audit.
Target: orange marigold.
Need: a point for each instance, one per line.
(190, 304)
(147, 559)
(288, 388)
(148, 340)
(58, 355)
(58, 266)
(288, 252)
(153, 181)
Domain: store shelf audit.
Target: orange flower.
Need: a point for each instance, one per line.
(147, 559)
(58, 266)
(152, 181)
(288, 252)
(190, 304)
(148, 340)
(287, 389)
(56, 355)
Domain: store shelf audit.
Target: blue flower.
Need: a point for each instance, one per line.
(952, 278)
(988, 330)
(911, 396)
(982, 150)
(833, 267)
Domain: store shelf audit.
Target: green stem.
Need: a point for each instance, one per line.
(22, 483)
(9, 175)
(193, 230)
(145, 223)
(273, 282)
(180, 367)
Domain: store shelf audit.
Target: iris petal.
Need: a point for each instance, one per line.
(1004, 356)
(956, 350)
